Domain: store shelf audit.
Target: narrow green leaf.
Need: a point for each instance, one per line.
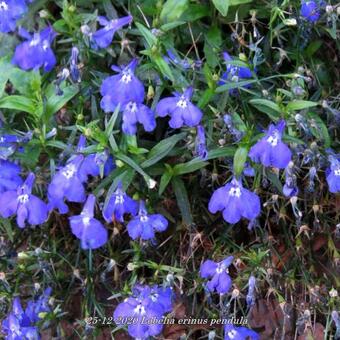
(300, 105)
(182, 199)
(192, 166)
(163, 67)
(270, 108)
(222, 6)
(224, 151)
(165, 180)
(319, 128)
(240, 158)
(173, 9)
(19, 103)
(146, 33)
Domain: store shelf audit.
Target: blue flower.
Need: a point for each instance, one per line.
(90, 231)
(250, 298)
(25, 205)
(74, 69)
(118, 205)
(122, 88)
(310, 11)
(201, 148)
(10, 12)
(290, 188)
(232, 332)
(234, 73)
(144, 225)
(144, 306)
(217, 272)
(235, 201)
(183, 63)
(180, 109)
(20, 324)
(36, 52)
(104, 36)
(270, 150)
(9, 176)
(66, 185)
(333, 175)
(137, 113)
(10, 143)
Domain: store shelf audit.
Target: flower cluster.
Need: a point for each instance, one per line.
(147, 307)
(22, 324)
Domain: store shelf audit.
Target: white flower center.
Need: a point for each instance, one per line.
(144, 218)
(337, 172)
(119, 199)
(132, 107)
(235, 191)
(86, 221)
(182, 103)
(273, 138)
(69, 171)
(235, 78)
(232, 334)
(45, 45)
(140, 310)
(35, 41)
(23, 199)
(154, 297)
(3, 6)
(111, 25)
(126, 77)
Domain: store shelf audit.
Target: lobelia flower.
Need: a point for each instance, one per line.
(201, 148)
(310, 11)
(25, 205)
(183, 63)
(118, 205)
(137, 113)
(20, 324)
(103, 37)
(144, 225)
(234, 73)
(250, 298)
(89, 230)
(232, 332)
(333, 175)
(9, 144)
(235, 201)
(74, 69)
(145, 304)
(270, 150)
(66, 184)
(122, 88)
(290, 188)
(36, 52)
(217, 272)
(10, 12)
(180, 109)
(9, 176)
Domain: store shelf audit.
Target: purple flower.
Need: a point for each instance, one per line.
(74, 69)
(122, 88)
(119, 204)
(270, 150)
(10, 143)
(180, 109)
(66, 185)
(234, 73)
(36, 52)
(217, 272)
(90, 231)
(145, 305)
(184, 63)
(250, 298)
(290, 188)
(10, 12)
(201, 148)
(144, 225)
(310, 11)
(25, 205)
(333, 175)
(9, 176)
(20, 324)
(104, 36)
(235, 201)
(232, 332)
(137, 113)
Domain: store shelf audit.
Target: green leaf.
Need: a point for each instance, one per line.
(55, 103)
(163, 67)
(182, 199)
(319, 128)
(222, 6)
(240, 158)
(270, 108)
(161, 149)
(165, 179)
(300, 105)
(192, 166)
(146, 33)
(19, 103)
(224, 151)
(173, 9)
